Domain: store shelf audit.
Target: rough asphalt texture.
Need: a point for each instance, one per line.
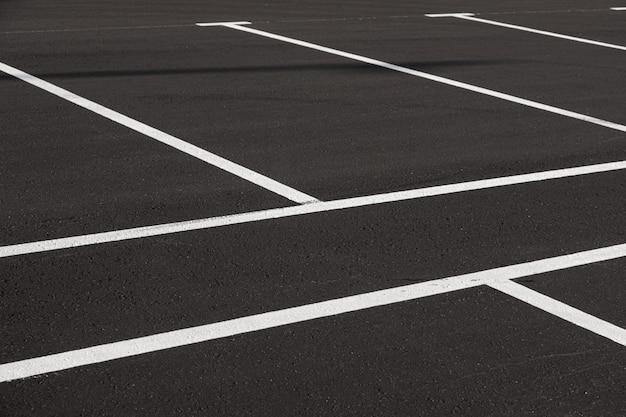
(332, 128)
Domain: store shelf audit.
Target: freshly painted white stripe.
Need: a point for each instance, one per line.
(181, 145)
(183, 337)
(470, 16)
(254, 216)
(224, 23)
(618, 8)
(447, 81)
(562, 310)
(448, 14)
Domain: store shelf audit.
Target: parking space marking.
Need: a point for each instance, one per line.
(186, 147)
(562, 310)
(183, 337)
(436, 78)
(243, 22)
(470, 16)
(255, 216)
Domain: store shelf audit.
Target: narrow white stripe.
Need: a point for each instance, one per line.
(223, 23)
(448, 14)
(618, 8)
(562, 310)
(540, 32)
(447, 81)
(189, 149)
(254, 216)
(183, 337)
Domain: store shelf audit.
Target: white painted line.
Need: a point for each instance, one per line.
(223, 23)
(177, 338)
(448, 14)
(181, 145)
(447, 81)
(183, 337)
(562, 310)
(470, 16)
(254, 216)
(618, 8)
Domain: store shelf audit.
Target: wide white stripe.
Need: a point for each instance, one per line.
(254, 216)
(183, 337)
(189, 149)
(469, 16)
(562, 310)
(442, 80)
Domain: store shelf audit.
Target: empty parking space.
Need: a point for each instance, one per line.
(67, 171)
(574, 76)
(475, 352)
(599, 25)
(325, 125)
(116, 291)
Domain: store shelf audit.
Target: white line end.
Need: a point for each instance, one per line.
(223, 23)
(449, 14)
(618, 8)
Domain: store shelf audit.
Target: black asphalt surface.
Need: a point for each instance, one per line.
(332, 128)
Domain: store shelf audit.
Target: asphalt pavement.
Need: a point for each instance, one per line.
(503, 103)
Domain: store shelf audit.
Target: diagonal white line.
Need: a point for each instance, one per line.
(470, 16)
(174, 142)
(183, 337)
(254, 216)
(188, 336)
(442, 80)
(562, 310)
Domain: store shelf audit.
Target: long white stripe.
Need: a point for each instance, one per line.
(183, 337)
(254, 216)
(447, 81)
(618, 8)
(181, 145)
(562, 310)
(470, 16)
